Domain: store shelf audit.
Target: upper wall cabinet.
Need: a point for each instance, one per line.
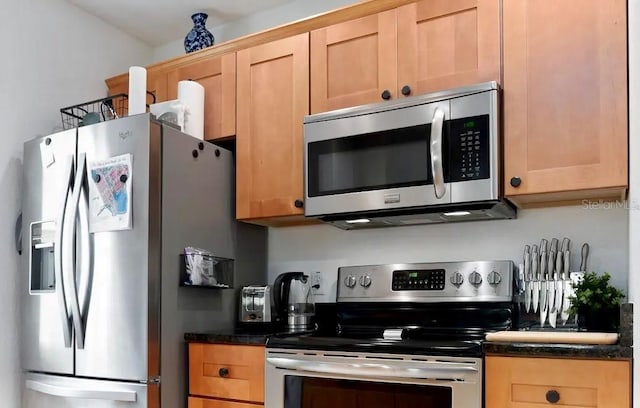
(273, 98)
(565, 100)
(448, 43)
(218, 77)
(417, 48)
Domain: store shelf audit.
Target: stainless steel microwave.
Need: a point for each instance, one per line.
(426, 159)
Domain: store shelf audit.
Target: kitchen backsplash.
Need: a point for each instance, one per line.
(324, 248)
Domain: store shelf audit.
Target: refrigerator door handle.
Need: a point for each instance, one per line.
(68, 259)
(86, 260)
(75, 392)
(58, 252)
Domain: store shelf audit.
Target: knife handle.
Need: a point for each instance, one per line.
(559, 264)
(567, 267)
(551, 265)
(565, 245)
(585, 255)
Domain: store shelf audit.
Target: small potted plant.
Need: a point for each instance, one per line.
(596, 303)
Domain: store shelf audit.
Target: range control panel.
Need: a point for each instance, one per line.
(490, 281)
(429, 279)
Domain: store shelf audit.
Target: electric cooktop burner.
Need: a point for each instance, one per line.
(440, 309)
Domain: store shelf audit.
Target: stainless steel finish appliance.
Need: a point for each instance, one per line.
(255, 304)
(426, 159)
(103, 314)
(294, 301)
(401, 332)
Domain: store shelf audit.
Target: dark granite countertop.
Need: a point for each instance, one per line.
(622, 350)
(613, 352)
(230, 336)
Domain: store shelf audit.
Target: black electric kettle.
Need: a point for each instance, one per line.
(292, 301)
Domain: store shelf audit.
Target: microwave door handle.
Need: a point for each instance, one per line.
(436, 153)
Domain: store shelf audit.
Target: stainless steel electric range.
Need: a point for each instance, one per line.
(405, 335)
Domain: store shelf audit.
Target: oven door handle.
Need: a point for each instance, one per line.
(435, 151)
(380, 370)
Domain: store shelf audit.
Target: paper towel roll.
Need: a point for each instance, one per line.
(191, 95)
(137, 90)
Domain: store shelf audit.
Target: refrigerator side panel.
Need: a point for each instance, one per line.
(197, 211)
(44, 391)
(48, 172)
(116, 328)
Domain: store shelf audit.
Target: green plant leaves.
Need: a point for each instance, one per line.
(595, 292)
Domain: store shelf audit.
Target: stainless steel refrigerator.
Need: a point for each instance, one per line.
(103, 315)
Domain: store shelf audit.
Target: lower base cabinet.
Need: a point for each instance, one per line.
(226, 375)
(524, 382)
(213, 403)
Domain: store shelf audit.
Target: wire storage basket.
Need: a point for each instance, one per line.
(100, 110)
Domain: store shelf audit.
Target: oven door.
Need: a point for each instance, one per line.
(306, 379)
(377, 161)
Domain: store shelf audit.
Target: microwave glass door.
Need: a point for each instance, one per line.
(373, 161)
(308, 392)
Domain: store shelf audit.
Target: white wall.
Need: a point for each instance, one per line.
(634, 181)
(53, 55)
(286, 13)
(324, 247)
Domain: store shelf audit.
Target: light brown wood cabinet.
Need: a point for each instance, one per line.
(519, 382)
(562, 67)
(565, 100)
(417, 48)
(273, 98)
(225, 371)
(218, 77)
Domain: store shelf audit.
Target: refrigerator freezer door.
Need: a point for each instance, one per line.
(46, 326)
(117, 340)
(45, 391)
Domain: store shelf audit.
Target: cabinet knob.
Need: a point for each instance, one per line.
(194, 153)
(386, 95)
(406, 90)
(298, 203)
(553, 396)
(515, 181)
(223, 372)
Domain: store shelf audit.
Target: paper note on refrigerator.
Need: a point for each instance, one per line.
(110, 182)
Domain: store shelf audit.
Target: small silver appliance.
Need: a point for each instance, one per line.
(255, 304)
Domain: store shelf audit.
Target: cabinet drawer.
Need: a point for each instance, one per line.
(213, 403)
(532, 382)
(227, 371)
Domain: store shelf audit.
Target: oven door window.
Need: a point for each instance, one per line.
(311, 392)
(372, 161)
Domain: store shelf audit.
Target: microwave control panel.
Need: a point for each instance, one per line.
(469, 148)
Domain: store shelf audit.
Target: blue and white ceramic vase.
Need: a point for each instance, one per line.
(199, 37)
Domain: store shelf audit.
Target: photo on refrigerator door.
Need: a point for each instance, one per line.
(110, 194)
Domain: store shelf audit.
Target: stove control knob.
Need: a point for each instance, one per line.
(457, 279)
(365, 281)
(475, 278)
(494, 278)
(350, 281)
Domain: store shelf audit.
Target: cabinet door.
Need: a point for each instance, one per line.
(227, 371)
(565, 99)
(354, 62)
(218, 77)
(273, 98)
(448, 43)
(528, 382)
